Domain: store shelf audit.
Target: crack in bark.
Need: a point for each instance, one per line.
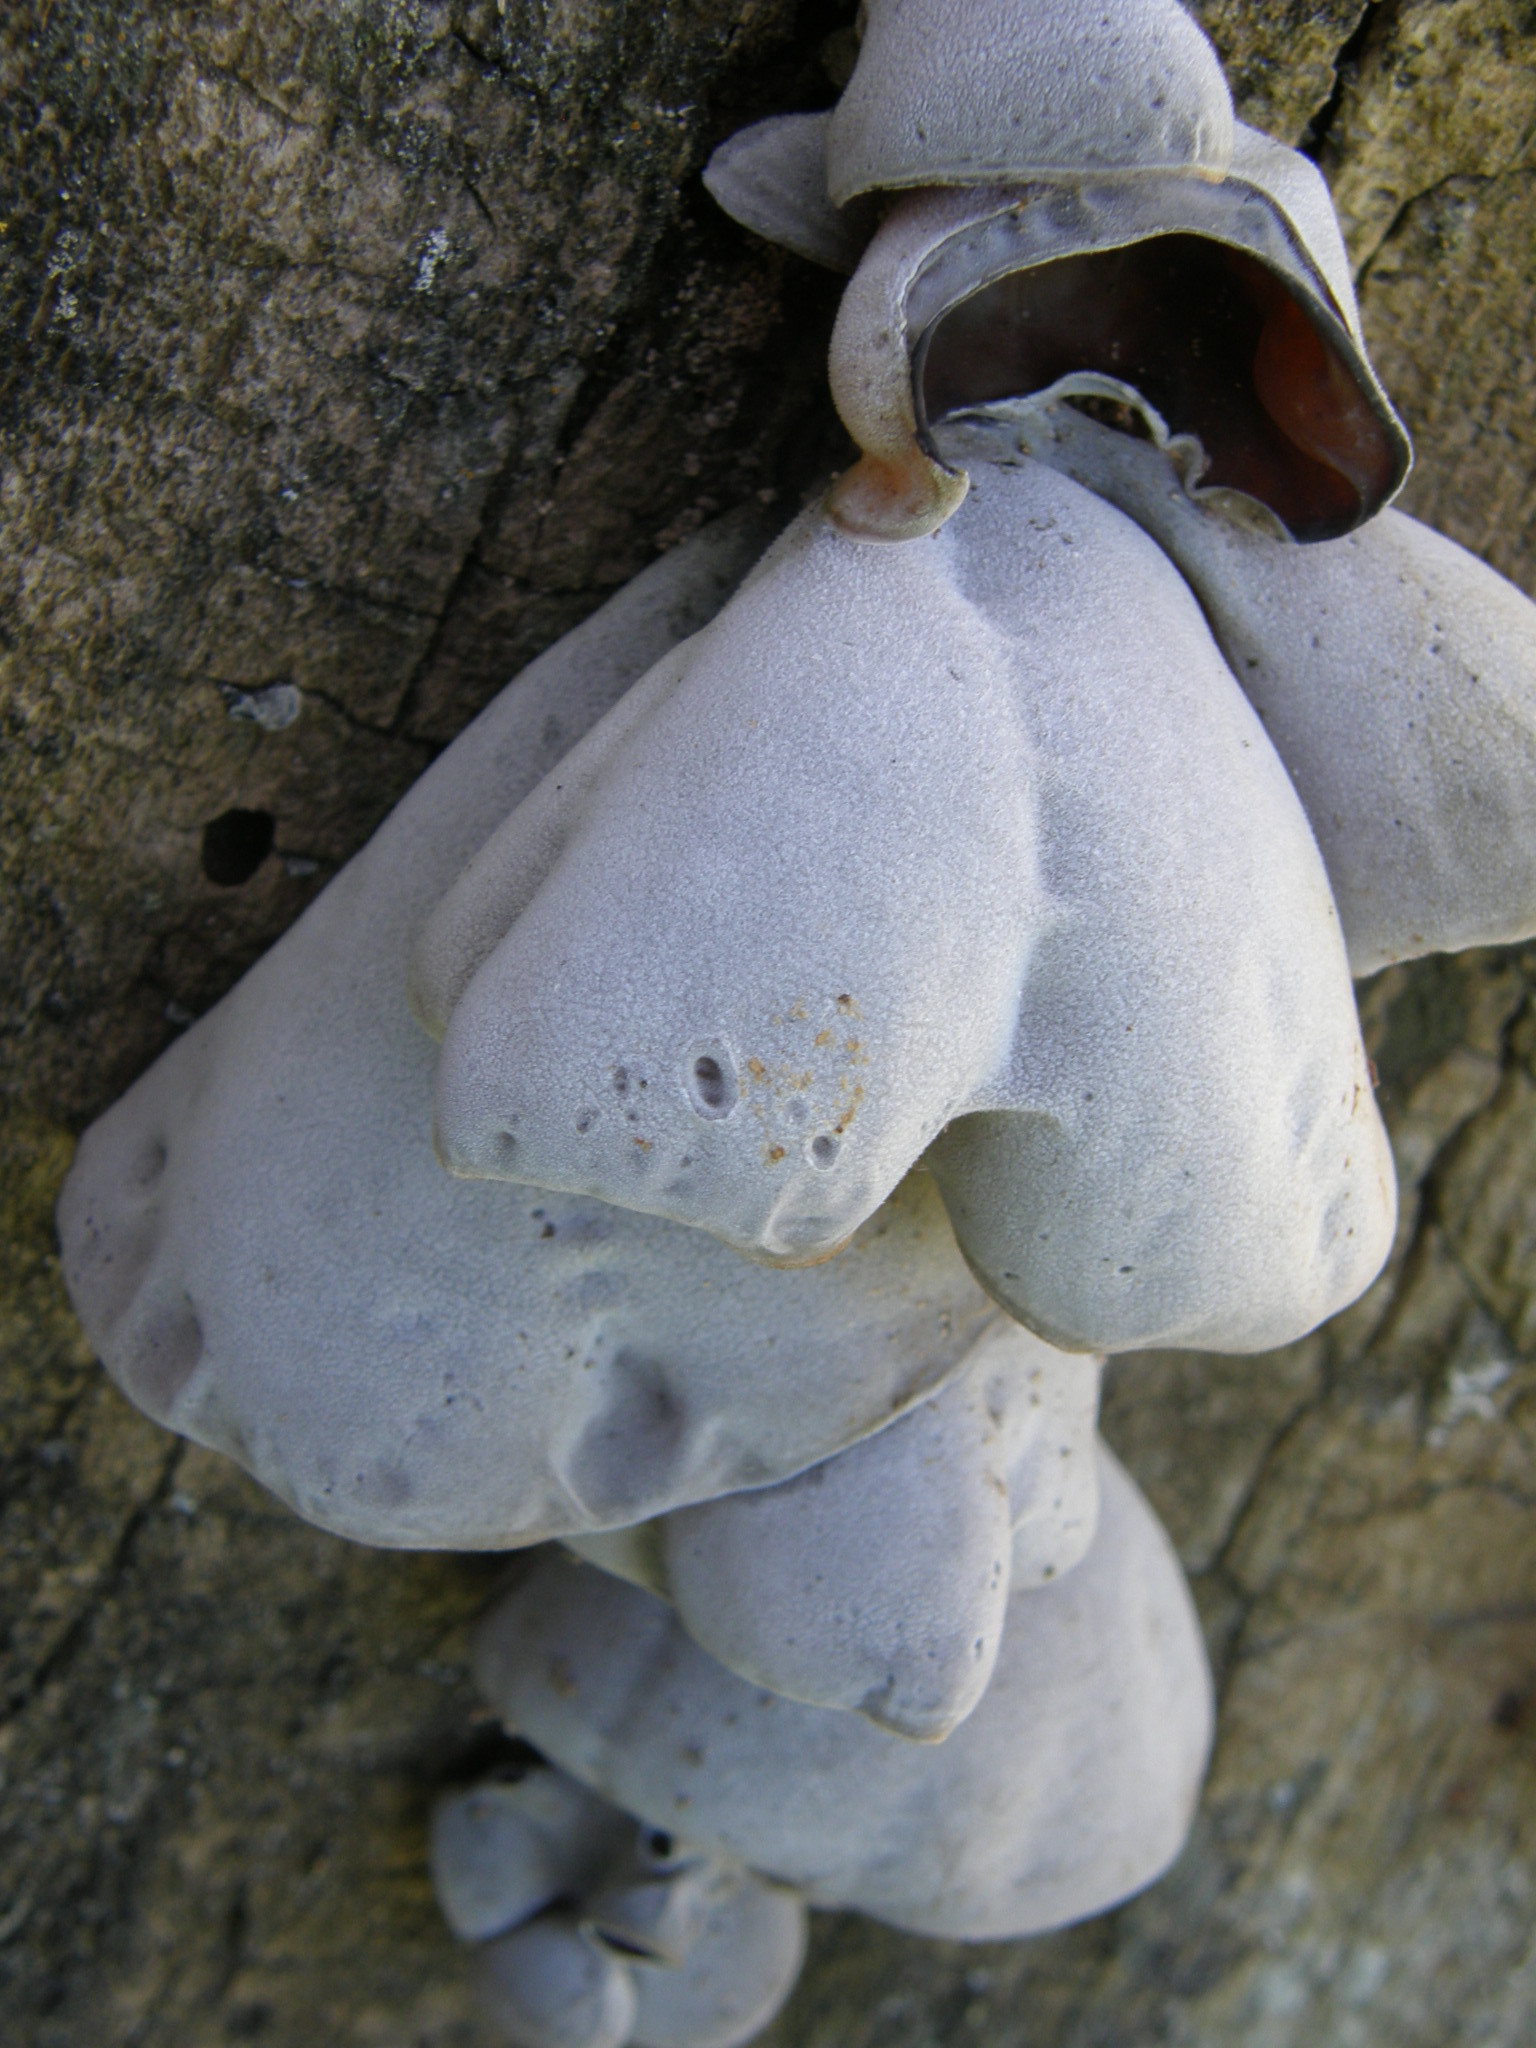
(426, 749)
(231, 77)
(1346, 69)
(112, 1575)
(1394, 226)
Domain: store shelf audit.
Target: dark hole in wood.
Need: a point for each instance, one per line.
(235, 844)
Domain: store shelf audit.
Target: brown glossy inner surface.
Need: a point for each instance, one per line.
(1212, 339)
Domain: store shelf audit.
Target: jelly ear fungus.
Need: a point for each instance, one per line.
(1224, 308)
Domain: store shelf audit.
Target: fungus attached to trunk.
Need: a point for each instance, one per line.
(936, 900)
(269, 1259)
(879, 1580)
(966, 92)
(1071, 1785)
(1394, 672)
(971, 855)
(552, 1985)
(738, 1973)
(1225, 308)
(506, 1848)
(1079, 209)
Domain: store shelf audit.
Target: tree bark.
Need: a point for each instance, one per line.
(356, 349)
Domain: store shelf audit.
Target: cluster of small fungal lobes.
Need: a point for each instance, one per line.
(868, 985)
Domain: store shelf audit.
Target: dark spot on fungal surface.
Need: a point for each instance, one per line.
(1211, 338)
(824, 1151)
(1114, 412)
(149, 1163)
(235, 844)
(626, 1464)
(162, 1357)
(710, 1081)
(391, 1486)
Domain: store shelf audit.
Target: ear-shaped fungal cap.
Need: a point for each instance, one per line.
(1395, 674)
(936, 900)
(879, 1580)
(951, 92)
(1227, 309)
(738, 1973)
(1241, 1183)
(761, 1041)
(550, 1985)
(656, 1898)
(270, 1260)
(1069, 1787)
(772, 178)
(508, 1847)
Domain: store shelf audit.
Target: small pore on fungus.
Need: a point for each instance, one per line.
(1211, 338)
(710, 1081)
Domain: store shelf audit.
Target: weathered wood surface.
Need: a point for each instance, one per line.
(355, 348)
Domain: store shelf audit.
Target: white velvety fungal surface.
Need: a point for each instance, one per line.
(575, 1981)
(1395, 674)
(967, 91)
(766, 928)
(1195, 1155)
(979, 832)
(269, 1259)
(550, 1984)
(504, 1849)
(734, 1978)
(772, 177)
(879, 1579)
(1069, 1787)
(657, 1896)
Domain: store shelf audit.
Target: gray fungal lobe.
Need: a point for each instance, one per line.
(865, 943)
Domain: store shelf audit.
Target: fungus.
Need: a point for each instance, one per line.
(969, 92)
(1394, 672)
(879, 1579)
(509, 1846)
(268, 1258)
(654, 1903)
(1226, 306)
(553, 1985)
(1069, 1787)
(738, 1973)
(972, 853)
(1123, 998)
(772, 177)
(591, 1973)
